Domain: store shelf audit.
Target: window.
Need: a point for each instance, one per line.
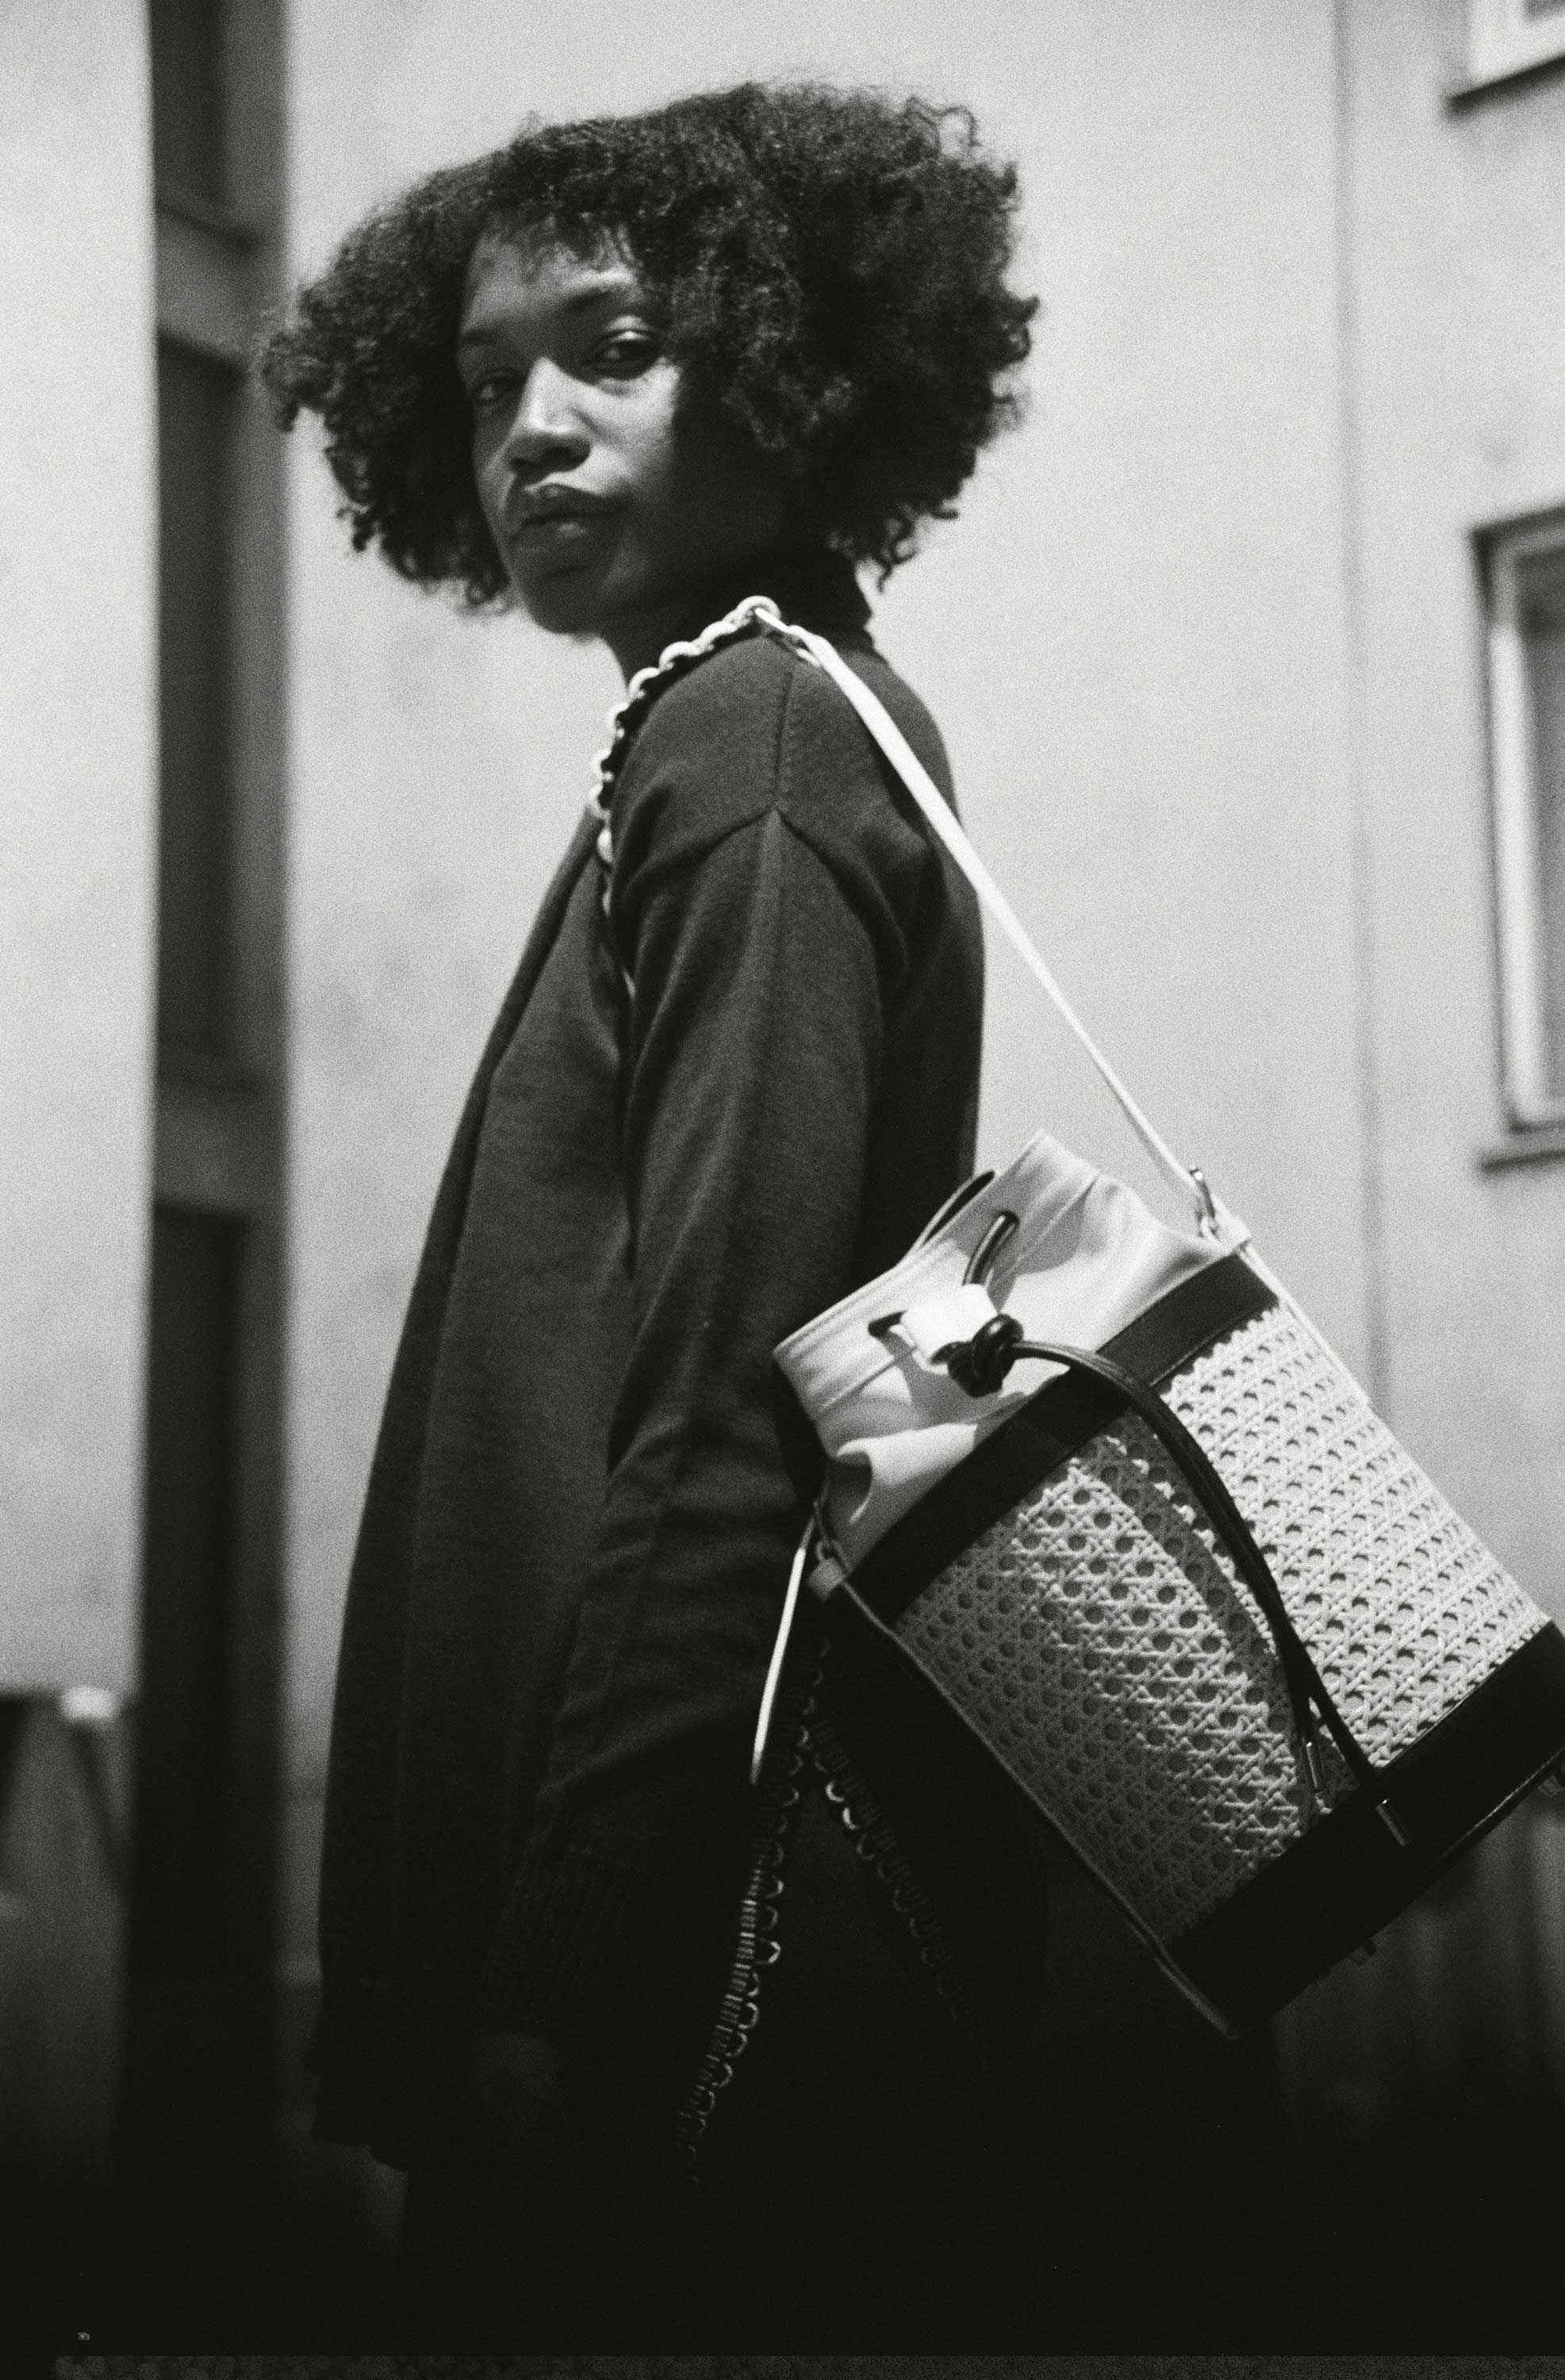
(1526, 574)
(1507, 36)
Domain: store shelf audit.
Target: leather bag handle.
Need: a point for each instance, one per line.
(1303, 1681)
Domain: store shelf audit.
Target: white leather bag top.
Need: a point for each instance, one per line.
(1087, 1259)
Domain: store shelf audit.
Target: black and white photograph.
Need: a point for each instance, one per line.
(782, 1189)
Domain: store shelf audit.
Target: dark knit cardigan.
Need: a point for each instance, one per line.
(580, 1515)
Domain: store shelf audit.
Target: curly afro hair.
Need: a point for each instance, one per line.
(833, 267)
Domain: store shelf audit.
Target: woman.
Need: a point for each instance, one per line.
(626, 373)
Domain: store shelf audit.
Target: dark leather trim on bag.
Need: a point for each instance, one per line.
(1346, 1876)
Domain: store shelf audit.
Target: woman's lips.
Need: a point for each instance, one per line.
(559, 534)
(552, 525)
(555, 500)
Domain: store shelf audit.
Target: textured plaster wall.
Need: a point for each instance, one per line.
(1133, 638)
(77, 723)
(1458, 232)
(1455, 226)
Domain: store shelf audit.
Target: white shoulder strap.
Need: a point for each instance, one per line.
(1186, 1185)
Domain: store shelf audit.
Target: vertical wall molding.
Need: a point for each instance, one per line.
(1376, 1343)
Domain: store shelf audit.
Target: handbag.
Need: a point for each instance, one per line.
(1108, 1489)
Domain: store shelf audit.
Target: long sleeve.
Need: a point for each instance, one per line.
(763, 888)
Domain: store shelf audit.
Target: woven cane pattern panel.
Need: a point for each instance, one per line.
(1404, 1609)
(1103, 1646)
(1101, 1643)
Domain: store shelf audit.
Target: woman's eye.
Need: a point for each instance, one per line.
(491, 390)
(626, 353)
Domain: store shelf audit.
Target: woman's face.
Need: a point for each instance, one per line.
(608, 501)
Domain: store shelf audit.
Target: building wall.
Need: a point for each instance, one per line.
(78, 867)
(1457, 236)
(1454, 240)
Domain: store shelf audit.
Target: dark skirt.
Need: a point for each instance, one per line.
(857, 2183)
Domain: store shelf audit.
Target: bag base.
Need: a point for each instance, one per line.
(1348, 1876)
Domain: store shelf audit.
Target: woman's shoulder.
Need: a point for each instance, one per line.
(830, 745)
(721, 719)
(755, 727)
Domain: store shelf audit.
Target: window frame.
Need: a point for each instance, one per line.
(1532, 1107)
(1502, 39)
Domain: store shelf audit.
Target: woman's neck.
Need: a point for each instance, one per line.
(811, 584)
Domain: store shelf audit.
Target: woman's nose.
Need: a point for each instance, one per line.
(546, 427)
